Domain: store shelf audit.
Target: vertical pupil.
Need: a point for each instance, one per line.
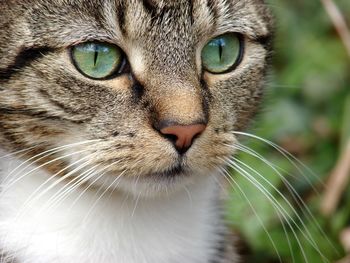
(220, 44)
(220, 50)
(95, 55)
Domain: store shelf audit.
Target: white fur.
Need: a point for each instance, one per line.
(179, 228)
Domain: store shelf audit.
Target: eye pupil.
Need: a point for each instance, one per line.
(95, 58)
(220, 50)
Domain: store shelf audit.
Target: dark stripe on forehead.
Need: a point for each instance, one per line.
(23, 59)
(150, 6)
(121, 16)
(213, 9)
(191, 12)
(175, 9)
(156, 12)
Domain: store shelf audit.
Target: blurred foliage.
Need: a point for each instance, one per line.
(305, 113)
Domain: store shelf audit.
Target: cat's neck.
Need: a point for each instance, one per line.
(182, 227)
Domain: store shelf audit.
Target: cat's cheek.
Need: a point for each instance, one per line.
(211, 152)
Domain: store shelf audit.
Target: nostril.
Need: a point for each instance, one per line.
(182, 136)
(171, 137)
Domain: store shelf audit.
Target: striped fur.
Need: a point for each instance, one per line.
(45, 103)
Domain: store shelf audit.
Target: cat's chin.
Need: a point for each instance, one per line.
(158, 184)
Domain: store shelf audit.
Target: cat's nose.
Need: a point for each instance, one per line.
(182, 136)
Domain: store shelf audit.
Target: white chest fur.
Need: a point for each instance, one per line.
(181, 228)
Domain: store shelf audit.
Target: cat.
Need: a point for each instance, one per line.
(117, 119)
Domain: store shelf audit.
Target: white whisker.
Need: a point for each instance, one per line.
(30, 161)
(37, 194)
(291, 158)
(274, 203)
(274, 188)
(37, 168)
(189, 195)
(23, 152)
(282, 210)
(296, 197)
(63, 191)
(103, 193)
(137, 199)
(231, 180)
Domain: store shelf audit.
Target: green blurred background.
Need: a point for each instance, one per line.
(307, 112)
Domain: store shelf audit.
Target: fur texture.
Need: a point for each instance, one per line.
(87, 176)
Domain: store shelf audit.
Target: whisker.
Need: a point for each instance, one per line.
(62, 192)
(23, 151)
(37, 168)
(189, 195)
(106, 189)
(291, 158)
(116, 185)
(274, 203)
(137, 199)
(75, 184)
(296, 197)
(102, 173)
(46, 206)
(284, 213)
(276, 190)
(287, 236)
(30, 161)
(114, 182)
(61, 179)
(35, 196)
(255, 154)
(231, 180)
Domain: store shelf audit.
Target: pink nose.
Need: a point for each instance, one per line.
(183, 135)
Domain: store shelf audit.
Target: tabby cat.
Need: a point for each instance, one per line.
(117, 119)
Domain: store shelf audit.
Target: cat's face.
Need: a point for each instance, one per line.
(112, 115)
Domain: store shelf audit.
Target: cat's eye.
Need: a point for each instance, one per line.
(97, 60)
(222, 53)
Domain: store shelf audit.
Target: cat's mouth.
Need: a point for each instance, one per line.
(159, 182)
(179, 170)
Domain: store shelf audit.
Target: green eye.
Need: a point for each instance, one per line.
(222, 54)
(97, 60)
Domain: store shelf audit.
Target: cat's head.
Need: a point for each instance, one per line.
(143, 92)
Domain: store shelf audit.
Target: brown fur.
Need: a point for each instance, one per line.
(45, 101)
